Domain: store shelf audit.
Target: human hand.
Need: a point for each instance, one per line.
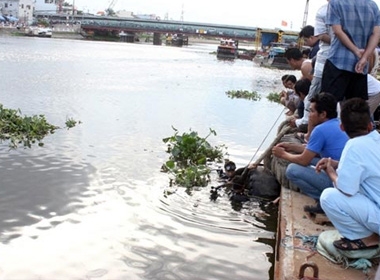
(360, 65)
(321, 165)
(326, 164)
(278, 151)
(292, 122)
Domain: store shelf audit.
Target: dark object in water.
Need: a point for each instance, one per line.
(262, 183)
(258, 182)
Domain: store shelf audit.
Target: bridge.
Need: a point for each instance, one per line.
(114, 26)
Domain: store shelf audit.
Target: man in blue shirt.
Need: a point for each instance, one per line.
(356, 33)
(326, 140)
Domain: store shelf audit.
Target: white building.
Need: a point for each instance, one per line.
(124, 14)
(21, 9)
(46, 6)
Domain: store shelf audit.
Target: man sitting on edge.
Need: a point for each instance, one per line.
(353, 205)
(326, 140)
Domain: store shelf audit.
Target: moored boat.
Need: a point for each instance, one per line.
(228, 49)
(246, 54)
(274, 58)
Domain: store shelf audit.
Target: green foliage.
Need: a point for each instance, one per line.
(274, 97)
(250, 95)
(25, 130)
(43, 22)
(70, 123)
(189, 155)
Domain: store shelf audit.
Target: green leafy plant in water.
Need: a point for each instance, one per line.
(25, 130)
(189, 155)
(245, 94)
(274, 97)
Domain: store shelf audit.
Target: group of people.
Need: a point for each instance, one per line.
(338, 165)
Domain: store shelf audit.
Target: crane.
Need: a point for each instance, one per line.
(60, 3)
(305, 14)
(110, 7)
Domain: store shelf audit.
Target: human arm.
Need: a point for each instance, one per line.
(325, 38)
(306, 71)
(329, 165)
(288, 151)
(372, 44)
(346, 41)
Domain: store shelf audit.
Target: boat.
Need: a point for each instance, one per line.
(38, 31)
(177, 40)
(228, 49)
(274, 57)
(246, 54)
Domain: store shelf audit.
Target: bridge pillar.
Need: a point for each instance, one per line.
(157, 39)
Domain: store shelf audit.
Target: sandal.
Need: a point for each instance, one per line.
(345, 244)
(301, 137)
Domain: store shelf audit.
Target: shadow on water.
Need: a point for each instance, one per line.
(35, 188)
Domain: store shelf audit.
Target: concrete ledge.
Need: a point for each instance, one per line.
(291, 253)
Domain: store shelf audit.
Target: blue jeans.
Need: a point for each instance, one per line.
(308, 180)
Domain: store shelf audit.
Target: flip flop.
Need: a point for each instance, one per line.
(301, 137)
(345, 244)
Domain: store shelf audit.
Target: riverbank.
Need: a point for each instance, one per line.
(297, 231)
(73, 32)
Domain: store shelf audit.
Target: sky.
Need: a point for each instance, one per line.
(254, 13)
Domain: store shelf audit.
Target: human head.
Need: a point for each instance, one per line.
(305, 53)
(294, 58)
(229, 168)
(355, 117)
(307, 34)
(301, 88)
(290, 81)
(283, 79)
(322, 106)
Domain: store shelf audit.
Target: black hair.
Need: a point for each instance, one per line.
(291, 78)
(230, 166)
(294, 53)
(302, 86)
(283, 78)
(307, 31)
(355, 117)
(325, 102)
(306, 52)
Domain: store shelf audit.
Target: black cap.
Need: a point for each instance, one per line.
(230, 166)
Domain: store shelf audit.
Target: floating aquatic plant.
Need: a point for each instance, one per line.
(274, 97)
(245, 94)
(189, 155)
(25, 130)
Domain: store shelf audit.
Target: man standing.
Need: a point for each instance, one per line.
(307, 34)
(356, 33)
(353, 205)
(321, 33)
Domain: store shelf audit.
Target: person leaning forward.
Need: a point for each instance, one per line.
(353, 205)
(326, 140)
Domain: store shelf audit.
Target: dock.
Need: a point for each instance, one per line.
(295, 225)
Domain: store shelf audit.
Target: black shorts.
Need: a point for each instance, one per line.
(343, 84)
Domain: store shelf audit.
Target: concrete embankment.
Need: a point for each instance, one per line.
(294, 223)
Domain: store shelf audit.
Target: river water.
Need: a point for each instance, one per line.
(92, 203)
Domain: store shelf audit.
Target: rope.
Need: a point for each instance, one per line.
(262, 142)
(308, 239)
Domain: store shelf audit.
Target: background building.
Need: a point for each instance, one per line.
(18, 9)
